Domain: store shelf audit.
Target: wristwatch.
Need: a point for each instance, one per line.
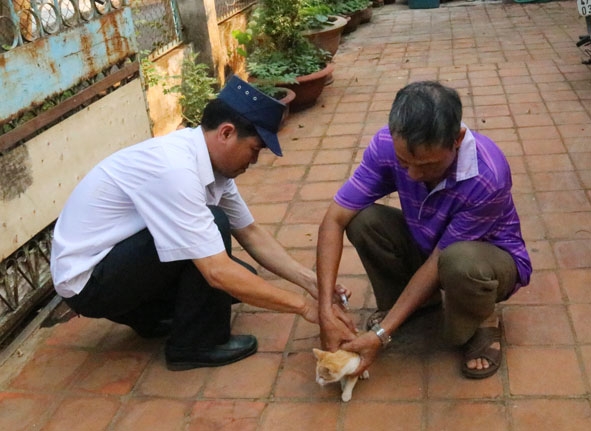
(382, 335)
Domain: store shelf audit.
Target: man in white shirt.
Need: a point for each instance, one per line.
(145, 238)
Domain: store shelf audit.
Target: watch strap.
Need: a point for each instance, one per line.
(384, 337)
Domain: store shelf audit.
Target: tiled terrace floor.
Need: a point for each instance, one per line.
(522, 83)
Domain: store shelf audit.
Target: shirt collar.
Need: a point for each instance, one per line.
(467, 165)
(205, 169)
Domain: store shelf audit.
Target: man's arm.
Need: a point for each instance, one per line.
(265, 249)
(335, 326)
(223, 273)
(418, 290)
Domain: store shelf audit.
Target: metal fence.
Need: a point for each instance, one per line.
(157, 21)
(23, 21)
(157, 24)
(227, 8)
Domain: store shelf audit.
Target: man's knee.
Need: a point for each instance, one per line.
(460, 267)
(371, 220)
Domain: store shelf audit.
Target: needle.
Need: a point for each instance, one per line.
(344, 301)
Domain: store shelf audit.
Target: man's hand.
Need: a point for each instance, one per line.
(340, 293)
(368, 346)
(310, 311)
(336, 327)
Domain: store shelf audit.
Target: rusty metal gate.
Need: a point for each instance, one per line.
(57, 57)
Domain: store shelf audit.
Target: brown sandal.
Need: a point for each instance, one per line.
(375, 318)
(479, 346)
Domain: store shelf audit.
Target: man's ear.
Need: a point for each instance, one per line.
(460, 138)
(225, 130)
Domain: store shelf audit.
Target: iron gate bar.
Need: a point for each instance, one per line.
(11, 139)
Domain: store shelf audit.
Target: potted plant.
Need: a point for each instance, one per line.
(194, 86)
(358, 11)
(320, 25)
(277, 53)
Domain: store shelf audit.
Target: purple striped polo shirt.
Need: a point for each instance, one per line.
(473, 203)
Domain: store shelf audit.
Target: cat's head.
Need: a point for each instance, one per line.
(330, 367)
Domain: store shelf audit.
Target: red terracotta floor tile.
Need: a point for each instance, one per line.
(445, 381)
(23, 412)
(307, 213)
(283, 174)
(292, 416)
(549, 181)
(573, 254)
(83, 414)
(544, 371)
(50, 369)
(561, 225)
(347, 141)
(581, 317)
(399, 416)
(541, 254)
(575, 283)
(351, 263)
(467, 415)
(268, 213)
(542, 146)
(273, 194)
(298, 235)
(79, 332)
(393, 376)
(252, 377)
(157, 381)
(305, 337)
(563, 201)
(338, 172)
(225, 415)
(153, 414)
(537, 325)
(319, 191)
(551, 414)
(532, 227)
(543, 288)
(113, 373)
(330, 157)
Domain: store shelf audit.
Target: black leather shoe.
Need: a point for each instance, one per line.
(237, 348)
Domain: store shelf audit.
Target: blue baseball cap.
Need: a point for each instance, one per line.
(264, 112)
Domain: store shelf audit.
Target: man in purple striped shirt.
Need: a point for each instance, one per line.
(457, 231)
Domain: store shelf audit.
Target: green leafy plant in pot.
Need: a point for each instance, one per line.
(277, 54)
(195, 86)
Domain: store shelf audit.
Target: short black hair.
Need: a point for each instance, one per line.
(426, 113)
(217, 112)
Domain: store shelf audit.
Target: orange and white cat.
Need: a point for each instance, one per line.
(338, 366)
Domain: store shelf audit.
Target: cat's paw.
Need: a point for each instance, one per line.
(346, 396)
(365, 375)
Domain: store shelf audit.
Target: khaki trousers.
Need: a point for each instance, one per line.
(474, 275)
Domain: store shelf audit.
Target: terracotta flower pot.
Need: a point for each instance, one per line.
(286, 100)
(365, 15)
(353, 23)
(329, 37)
(308, 89)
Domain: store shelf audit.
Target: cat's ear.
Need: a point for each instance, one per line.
(318, 353)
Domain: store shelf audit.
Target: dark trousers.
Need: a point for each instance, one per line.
(131, 286)
(474, 275)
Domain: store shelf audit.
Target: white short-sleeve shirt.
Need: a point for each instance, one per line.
(164, 184)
